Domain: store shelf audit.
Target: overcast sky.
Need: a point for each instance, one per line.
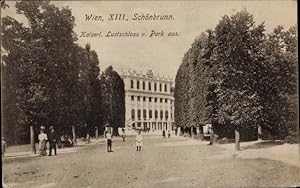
(162, 54)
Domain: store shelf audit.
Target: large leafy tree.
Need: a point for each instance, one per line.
(113, 99)
(89, 88)
(238, 42)
(181, 95)
(279, 93)
(193, 79)
(247, 78)
(46, 71)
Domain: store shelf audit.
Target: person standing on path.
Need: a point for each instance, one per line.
(109, 141)
(53, 139)
(169, 133)
(42, 142)
(123, 134)
(164, 133)
(3, 145)
(139, 141)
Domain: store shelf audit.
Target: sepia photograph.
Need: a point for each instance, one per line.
(149, 94)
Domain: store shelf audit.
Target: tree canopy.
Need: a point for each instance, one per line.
(238, 77)
(48, 79)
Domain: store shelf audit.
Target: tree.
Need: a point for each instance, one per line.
(113, 99)
(247, 78)
(238, 41)
(181, 96)
(279, 94)
(90, 88)
(39, 60)
(192, 82)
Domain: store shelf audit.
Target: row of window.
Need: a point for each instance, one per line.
(151, 115)
(160, 86)
(154, 126)
(161, 100)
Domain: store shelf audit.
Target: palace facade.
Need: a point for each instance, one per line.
(149, 101)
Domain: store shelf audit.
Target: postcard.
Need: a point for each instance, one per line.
(155, 94)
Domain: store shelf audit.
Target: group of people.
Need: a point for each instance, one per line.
(139, 140)
(164, 134)
(52, 138)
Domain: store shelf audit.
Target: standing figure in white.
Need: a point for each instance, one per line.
(139, 141)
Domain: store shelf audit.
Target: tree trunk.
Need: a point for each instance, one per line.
(15, 140)
(259, 132)
(88, 137)
(32, 141)
(212, 136)
(237, 140)
(96, 133)
(201, 133)
(74, 135)
(192, 133)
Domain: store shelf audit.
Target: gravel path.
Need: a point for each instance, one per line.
(162, 163)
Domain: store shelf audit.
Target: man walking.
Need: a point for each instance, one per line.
(53, 139)
(109, 140)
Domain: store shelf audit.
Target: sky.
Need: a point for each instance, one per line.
(164, 54)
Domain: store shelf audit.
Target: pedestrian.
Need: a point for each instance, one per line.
(42, 142)
(109, 140)
(123, 134)
(53, 139)
(3, 145)
(139, 141)
(164, 133)
(169, 133)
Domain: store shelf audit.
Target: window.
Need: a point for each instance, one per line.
(155, 99)
(149, 86)
(138, 98)
(138, 84)
(155, 114)
(132, 84)
(132, 98)
(171, 116)
(166, 114)
(159, 87)
(144, 114)
(150, 114)
(144, 86)
(154, 86)
(150, 99)
(161, 100)
(166, 100)
(165, 87)
(132, 114)
(144, 99)
(161, 114)
(139, 114)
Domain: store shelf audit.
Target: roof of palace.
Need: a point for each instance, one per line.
(145, 75)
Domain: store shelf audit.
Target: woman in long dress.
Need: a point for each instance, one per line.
(139, 141)
(42, 142)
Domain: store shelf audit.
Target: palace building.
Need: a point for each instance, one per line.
(149, 101)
